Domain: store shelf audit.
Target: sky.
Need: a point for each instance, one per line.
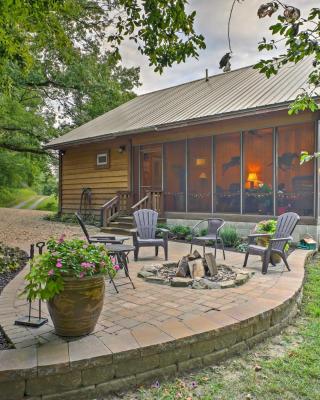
(211, 20)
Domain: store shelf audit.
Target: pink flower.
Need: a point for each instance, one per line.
(84, 264)
(116, 267)
(59, 265)
(61, 240)
(113, 260)
(81, 275)
(51, 272)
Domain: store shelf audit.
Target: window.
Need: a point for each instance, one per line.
(258, 172)
(103, 160)
(175, 176)
(295, 190)
(227, 162)
(200, 174)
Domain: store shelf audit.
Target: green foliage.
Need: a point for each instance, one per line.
(10, 196)
(301, 36)
(230, 236)
(180, 231)
(268, 226)
(11, 259)
(49, 204)
(65, 258)
(242, 247)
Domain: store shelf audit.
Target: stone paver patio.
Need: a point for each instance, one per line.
(147, 333)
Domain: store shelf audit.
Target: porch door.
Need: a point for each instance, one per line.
(150, 168)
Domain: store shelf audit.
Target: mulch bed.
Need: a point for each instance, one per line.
(12, 261)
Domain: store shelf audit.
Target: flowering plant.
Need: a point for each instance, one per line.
(268, 226)
(66, 258)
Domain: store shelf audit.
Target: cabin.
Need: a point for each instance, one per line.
(223, 146)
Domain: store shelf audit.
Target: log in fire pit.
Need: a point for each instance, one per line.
(195, 272)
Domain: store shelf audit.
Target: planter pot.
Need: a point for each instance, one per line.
(265, 243)
(75, 311)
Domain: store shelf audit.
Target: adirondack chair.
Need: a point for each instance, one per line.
(145, 233)
(214, 226)
(98, 238)
(285, 227)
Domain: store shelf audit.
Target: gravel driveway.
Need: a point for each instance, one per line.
(23, 227)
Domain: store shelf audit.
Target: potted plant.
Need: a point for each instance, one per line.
(70, 277)
(268, 226)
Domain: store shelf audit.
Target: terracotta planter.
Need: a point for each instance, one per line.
(262, 241)
(75, 311)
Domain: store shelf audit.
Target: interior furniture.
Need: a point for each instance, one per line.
(98, 238)
(213, 234)
(277, 242)
(144, 235)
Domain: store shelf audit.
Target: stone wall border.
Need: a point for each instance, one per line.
(87, 368)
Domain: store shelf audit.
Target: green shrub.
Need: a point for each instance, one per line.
(48, 204)
(230, 236)
(180, 231)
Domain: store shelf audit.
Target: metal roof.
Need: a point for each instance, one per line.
(228, 94)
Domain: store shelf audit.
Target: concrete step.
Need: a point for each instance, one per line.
(121, 224)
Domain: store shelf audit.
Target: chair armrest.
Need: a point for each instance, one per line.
(255, 235)
(102, 237)
(164, 231)
(287, 239)
(133, 230)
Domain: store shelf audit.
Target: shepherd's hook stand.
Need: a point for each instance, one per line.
(31, 320)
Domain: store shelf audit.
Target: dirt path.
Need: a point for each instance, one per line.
(23, 227)
(23, 203)
(34, 205)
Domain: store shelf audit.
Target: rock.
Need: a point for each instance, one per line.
(144, 274)
(257, 368)
(197, 285)
(169, 265)
(227, 284)
(207, 284)
(196, 254)
(181, 282)
(151, 268)
(157, 279)
(241, 279)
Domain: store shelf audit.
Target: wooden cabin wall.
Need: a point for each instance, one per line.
(270, 120)
(79, 170)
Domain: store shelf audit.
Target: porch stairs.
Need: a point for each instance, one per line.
(122, 225)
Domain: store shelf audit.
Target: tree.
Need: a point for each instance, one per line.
(301, 37)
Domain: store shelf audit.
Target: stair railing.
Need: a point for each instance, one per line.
(153, 200)
(118, 205)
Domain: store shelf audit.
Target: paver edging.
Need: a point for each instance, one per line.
(192, 352)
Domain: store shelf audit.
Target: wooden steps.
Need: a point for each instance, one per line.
(122, 226)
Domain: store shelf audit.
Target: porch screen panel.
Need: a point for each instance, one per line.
(258, 172)
(200, 175)
(135, 173)
(175, 176)
(227, 166)
(295, 182)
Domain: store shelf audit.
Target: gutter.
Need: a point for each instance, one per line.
(173, 125)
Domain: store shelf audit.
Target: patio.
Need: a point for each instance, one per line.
(147, 333)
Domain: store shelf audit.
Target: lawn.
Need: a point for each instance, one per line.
(10, 197)
(48, 204)
(286, 367)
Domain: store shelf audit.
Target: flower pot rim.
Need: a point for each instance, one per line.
(85, 278)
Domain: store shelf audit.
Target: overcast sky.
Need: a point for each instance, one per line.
(211, 20)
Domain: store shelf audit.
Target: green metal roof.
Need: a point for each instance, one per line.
(239, 92)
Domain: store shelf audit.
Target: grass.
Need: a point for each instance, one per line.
(48, 204)
(10, 197)
(286, 367)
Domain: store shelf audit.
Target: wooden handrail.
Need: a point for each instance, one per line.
(109, 211)
(140, 204)
(153, 200)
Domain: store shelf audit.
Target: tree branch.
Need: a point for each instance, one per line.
(12, 147)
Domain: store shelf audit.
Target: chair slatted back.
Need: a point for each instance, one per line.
(285, 226)
(83, 227)
(214, 224)
(146, 223)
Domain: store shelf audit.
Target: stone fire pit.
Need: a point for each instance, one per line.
(178, 274)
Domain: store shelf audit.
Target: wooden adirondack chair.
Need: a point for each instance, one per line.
(145, 233)
(285, 227)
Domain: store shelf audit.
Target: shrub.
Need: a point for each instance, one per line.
(230, 236)
(180, 231)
